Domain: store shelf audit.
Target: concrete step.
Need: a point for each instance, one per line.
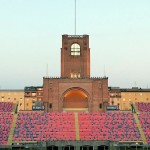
(9, 142)
(140, 128)
(77, 126)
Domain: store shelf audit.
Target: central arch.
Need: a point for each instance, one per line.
(75, 99)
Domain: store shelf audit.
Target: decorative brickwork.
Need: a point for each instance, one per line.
(75, 90)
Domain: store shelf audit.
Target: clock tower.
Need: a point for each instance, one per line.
(75, 56)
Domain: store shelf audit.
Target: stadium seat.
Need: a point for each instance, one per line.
(145, 122)
(143, 107)
(5, 124)
(37, 126)
(108, 126)
(6, 106)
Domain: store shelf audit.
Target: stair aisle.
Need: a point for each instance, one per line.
(136, 109)
(140, 128)
(77, 126)
(12, 129)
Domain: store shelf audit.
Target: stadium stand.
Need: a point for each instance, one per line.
(6, 119)
(144, 117)
(6, 106)
(143, 107)
(39, 126)
(145, 122)
(108, 126)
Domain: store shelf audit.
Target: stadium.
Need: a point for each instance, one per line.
(74, 130)
(74, 113)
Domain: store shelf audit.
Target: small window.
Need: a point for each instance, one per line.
(75, 49)
(100, 106)
(33, 101)
(50, 105)
(79, 75)
(75, 75)
(72, 75)
(33, 94)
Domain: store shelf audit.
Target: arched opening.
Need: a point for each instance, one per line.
(103, 147)
(68, 147)
(52, 147)
(86, 147)
(75, 100)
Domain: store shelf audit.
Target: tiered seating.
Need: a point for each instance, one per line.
(143, 107)
(39, 126)
(108, 126)
(6, 106)
(5, 124)
(145, 122)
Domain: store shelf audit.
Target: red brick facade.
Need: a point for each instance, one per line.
(75, 63)
(75, 90)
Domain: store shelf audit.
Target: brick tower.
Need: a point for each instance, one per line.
(75, 90)
(75, 56)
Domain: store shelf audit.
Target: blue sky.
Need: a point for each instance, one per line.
(30, 38)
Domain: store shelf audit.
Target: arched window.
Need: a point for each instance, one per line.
(75, 49)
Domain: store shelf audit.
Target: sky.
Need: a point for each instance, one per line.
(31, 35)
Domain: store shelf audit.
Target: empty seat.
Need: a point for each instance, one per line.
(143, 107)
(5, 124)
(6, 106)
(108, 126)
(145, 122)
(37, 126)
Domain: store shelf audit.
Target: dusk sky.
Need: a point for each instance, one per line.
(31, 35)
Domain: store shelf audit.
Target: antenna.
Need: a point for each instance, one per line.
(75, 18)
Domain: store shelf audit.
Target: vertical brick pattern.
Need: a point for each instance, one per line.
(96, 91)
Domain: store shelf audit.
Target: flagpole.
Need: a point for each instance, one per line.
(75, 17)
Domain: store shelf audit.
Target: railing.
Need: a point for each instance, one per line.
(75, 36)
(94, 78)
